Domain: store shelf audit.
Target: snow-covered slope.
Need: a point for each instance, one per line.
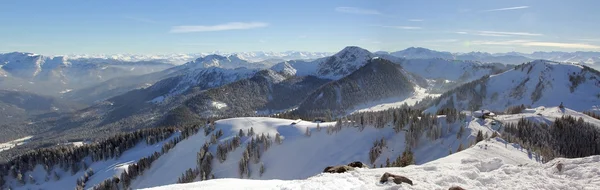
(490, 164)
(539, 83)
(547, 115)
(103, 169)
(395, 102)
(299, 156)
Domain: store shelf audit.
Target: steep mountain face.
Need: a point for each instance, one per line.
(378, 79)
(266, 92)
(333, 67)
(538, 83)
(56, 75)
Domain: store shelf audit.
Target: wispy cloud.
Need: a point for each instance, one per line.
(506, 9)
(590, 40)
(404, 27)
(139, 19)
(416, 20)
(262, 41)
(529, 43)
(511, 33)
(498, 33)
(220, 27)
(356, 10)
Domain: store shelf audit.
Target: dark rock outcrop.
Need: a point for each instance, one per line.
(338, 169)
(456, 188)
(358, 164)
(398, 179)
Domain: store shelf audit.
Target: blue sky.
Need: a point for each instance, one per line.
(184, 26)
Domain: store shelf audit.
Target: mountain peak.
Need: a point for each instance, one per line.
(352, 50)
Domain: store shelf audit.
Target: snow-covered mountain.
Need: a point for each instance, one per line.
(538, 83)
(55, 75)
(377, 80)
(421, 53)
(424, 53)
(180, 58)
(225, 62)
(334, 67)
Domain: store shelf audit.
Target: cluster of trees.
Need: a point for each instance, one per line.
(70, 158)
(80, 183)
(565, 137)
(137, 169)
(592, 114)
(403, 160)
(254, 150)
(376, 150)
(515, 109)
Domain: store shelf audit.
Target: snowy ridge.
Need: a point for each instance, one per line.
(346, 146)
(539, 83)
(225, 62)
(547, 115)
(490, 164)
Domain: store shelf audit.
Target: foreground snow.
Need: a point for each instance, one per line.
(488, 165)
(299, 156)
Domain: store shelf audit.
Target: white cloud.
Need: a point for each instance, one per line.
(506, 9)
(510, 33)
(220, 27)
(529, 43)
(498, 33)
(416, 20)
(404, 27)
(356, 10)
